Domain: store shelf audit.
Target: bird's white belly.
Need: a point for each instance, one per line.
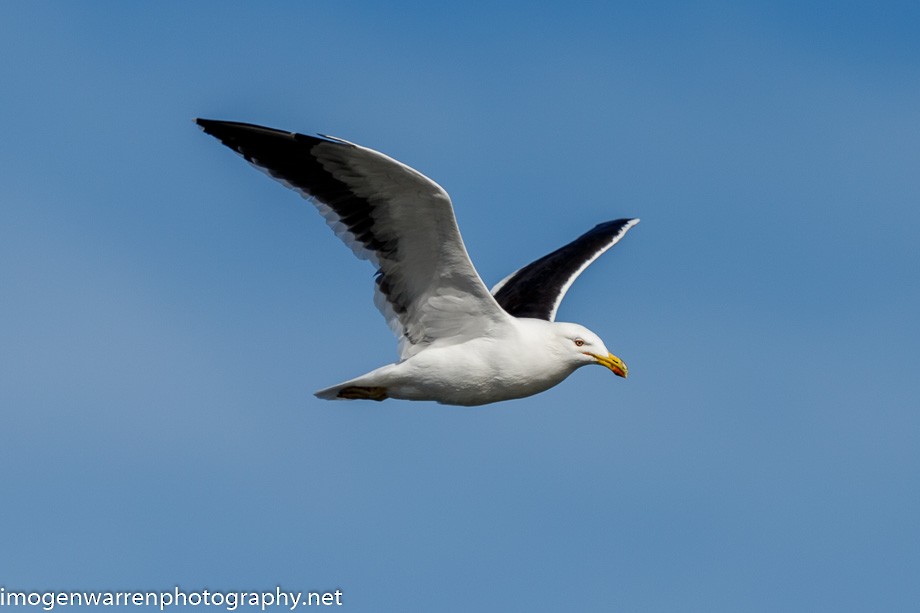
(473, 373)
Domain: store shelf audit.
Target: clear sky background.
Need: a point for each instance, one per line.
(166, 312)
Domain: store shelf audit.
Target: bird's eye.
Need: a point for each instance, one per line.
(579, 342)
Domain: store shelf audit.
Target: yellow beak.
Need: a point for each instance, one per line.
(613, 363)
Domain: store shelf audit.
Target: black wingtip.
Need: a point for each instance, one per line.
(208, 124)
(220, 128)
(615, 223)
(233, 133)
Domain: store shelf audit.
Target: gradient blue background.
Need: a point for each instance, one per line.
(166, 312)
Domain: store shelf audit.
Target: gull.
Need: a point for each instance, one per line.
(459, 343)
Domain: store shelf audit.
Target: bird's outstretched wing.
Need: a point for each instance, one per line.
(388, 213)
(537, 289)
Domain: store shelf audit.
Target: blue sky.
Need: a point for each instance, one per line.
(166, 312)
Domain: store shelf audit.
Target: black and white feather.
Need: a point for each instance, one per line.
(536, 290)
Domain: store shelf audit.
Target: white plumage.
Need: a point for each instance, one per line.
(459, 343)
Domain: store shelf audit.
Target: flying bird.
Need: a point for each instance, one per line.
(459, 342)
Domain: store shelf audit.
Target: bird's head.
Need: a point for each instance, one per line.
(583, 347)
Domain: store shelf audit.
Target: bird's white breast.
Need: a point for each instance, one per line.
(515, 363)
